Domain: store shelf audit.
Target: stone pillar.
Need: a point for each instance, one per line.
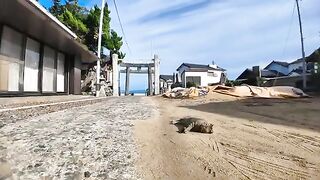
(152, 83)
(127, 81)
(115, 75)
(156, 75)
(150, 89)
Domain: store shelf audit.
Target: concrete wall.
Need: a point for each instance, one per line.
(283, 81)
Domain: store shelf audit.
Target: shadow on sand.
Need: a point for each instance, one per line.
(299, 113)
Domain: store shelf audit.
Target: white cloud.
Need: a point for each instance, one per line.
(236, 34)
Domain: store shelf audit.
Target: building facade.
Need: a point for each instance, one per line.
(201, 75)
(38, 54)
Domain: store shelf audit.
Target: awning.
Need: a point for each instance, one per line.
(32, 19)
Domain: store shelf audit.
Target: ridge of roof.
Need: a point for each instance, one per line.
(200, 66)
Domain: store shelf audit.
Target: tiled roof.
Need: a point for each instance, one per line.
(166, 77)
(200, 66)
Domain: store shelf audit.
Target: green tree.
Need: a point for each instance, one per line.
(114, 44)
(86, 25)
(75, 24)
(56, 9)
(78, 11)
(92, 22)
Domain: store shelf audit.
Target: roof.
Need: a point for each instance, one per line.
(36, 22)
(284, 64)
(199, 67)
(297, 61)
(248, 73)
(166, 77)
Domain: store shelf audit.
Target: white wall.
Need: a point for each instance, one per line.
(205, 79)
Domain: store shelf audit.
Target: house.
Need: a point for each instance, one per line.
(315, 59)
(38, 54)
(278, 66)
(264, 73)
(165, 82)
(282, 73)
(201, 75)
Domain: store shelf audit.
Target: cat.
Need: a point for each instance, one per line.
(193, 124)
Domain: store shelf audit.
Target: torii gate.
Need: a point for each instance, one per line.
(151, 68)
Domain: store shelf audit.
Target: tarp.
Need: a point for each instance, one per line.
(263, 92)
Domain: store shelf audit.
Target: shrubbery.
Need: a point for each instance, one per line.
(176, 85)
(232, 83)
(191, 84)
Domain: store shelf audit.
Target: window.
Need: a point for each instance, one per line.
(10, 59)
(31, 68)
(212, 74)
(194, 79)
(49, 72)
(60, 72)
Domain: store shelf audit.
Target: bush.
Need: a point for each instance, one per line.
(232, 83)
(176, 85)
(191, 84)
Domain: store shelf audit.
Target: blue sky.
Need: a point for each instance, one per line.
(236, 34)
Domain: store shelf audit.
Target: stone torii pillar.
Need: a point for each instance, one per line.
(156, 75)
(127, 81)
(115, 75)
(150, 87)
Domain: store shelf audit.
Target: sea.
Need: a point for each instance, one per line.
(139, 92)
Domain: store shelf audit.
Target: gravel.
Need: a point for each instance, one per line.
(89, 142)
(11, 116)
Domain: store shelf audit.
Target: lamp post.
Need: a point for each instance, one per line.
(302, 49)
(99, 49)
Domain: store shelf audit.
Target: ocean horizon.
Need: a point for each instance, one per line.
(136, 91)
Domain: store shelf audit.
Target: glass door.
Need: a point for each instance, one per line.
(60, 73)
(49, 72)
(31, 69)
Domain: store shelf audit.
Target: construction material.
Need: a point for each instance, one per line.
(262, 92)
(181, 93)
(237, 91)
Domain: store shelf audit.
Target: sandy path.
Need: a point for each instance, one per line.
(250, 141)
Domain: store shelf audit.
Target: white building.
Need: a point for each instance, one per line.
(201, 75)
(165, 82)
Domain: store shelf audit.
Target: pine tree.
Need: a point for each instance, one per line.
(56, 8)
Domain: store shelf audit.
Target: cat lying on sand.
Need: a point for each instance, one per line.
(193, 124)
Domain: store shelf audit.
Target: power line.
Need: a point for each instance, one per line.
(287, 37)
(289, 31)
(119, 19)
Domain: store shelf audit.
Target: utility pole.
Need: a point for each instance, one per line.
(99, 50)
(302, 48)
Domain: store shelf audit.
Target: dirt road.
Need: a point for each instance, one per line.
(252, 139)
(132, 138)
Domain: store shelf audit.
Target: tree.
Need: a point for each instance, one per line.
(92, 22)
(86, 25)
(77, 11)
(114, 44)
(75, 24)
(56, 9)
